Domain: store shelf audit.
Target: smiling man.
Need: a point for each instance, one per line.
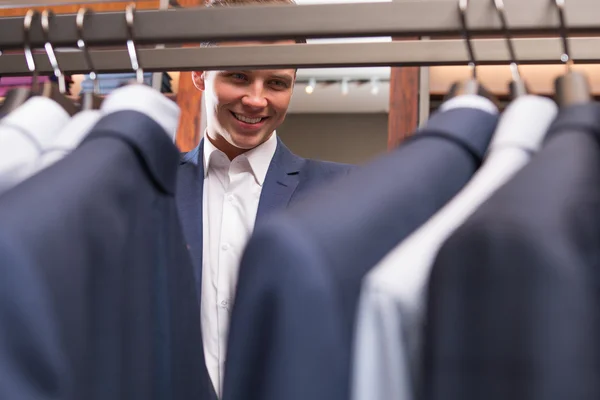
(239, 173)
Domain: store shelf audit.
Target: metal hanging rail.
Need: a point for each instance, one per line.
(405, 18)
(404, 53)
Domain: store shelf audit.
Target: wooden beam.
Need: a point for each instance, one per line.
(73, 8)
(189, 100)
(403, 117)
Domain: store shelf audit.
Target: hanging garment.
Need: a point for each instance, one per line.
(390, 316)
(513, 305)
(293, 317)
(102, 230)
(24, 135)
(32, 365)
(69, 138)
(130, 97)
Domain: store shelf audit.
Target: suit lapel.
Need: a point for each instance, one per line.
(281, 181)
(190, 188)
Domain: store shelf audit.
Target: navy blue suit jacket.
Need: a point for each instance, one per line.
(513, 297)
(288, 179)
(292, 321)
(94, 247)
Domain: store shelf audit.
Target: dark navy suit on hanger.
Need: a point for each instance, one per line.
(292, 323)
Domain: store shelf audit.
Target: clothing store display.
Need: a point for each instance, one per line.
(460, 263)
(299, 281)
(390, 317)
(24, 139)
(288, 178)
(512, 303)
(8, 83)
(127, 320)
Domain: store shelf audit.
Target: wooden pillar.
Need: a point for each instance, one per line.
(403, 117)
(189, 100)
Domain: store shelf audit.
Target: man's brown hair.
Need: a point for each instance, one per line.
(233, 3)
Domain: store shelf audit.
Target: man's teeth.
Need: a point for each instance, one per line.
(247, 120)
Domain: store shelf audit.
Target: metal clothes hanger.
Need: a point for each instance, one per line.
(517, 86)
(572, 87)
(16, 97)
(50, 89)
(472, 85)
(131, 47)
(89, 100)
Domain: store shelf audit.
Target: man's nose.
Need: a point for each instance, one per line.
(255, 97)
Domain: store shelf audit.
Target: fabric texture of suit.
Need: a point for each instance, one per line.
(292, 322)
(32, 367)
(100, 227)
(513, 297)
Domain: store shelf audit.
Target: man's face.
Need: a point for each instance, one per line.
(244, 107)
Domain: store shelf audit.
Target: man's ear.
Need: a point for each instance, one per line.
(198, 79)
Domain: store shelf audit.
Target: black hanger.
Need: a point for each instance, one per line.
(573, 87)
(471, 85)
(88, 100)
(517, 87)
(50, 89)
(16, 97)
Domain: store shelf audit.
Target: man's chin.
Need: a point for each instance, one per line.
(246, 143)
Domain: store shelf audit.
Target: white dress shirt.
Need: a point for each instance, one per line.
(391, 306)
(69, 138)
(146, 100)
(25, 133)
(230, 202)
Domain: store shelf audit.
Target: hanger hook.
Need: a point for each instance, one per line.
(133, 56)
(62, 85)
(80, 20)
(27, 22)
(514, 67)
(566, 56)
(462, 8)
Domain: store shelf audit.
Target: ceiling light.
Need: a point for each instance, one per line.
(345, 87)
(312, 83)
(374, 86)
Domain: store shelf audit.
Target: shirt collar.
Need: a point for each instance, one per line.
(259, 158)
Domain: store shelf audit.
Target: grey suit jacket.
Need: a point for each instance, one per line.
(513, 298)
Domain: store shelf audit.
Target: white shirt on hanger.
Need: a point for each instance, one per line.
(390, 312)
(231, 195)
(25, 134)
(69, 138)
(146, 100)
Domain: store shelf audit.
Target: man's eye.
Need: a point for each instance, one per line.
(280, 84)
(240, 77)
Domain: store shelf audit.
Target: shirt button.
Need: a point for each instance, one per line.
(224, 303)
(230, 198)
(225, 247)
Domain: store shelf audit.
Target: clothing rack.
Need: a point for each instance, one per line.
(435, 19)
